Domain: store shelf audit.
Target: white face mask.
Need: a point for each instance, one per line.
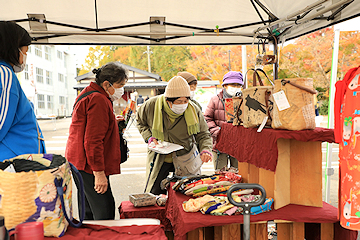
(117, 94)
(192, 94)
(179, 108)
(233, 91)
(22, 66)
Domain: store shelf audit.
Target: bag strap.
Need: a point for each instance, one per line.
(284, 82)
(256, 75)
(39, 136)
(82, 96)
(58, 183)
(237, 111)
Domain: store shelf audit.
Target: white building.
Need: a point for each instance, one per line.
(48, 80)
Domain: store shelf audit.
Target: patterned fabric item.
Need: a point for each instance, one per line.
(30, 195)
(347, 129)
(214, 190)
(262, 208)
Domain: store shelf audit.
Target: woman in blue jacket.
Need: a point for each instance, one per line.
(19, 130)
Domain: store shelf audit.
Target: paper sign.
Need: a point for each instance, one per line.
(281, 101)
(165, 147)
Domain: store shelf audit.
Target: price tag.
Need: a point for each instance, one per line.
(263, 124)
(281, 100)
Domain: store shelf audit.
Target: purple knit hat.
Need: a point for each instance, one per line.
(233, 77)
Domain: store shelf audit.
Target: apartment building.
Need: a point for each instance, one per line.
(48, 80)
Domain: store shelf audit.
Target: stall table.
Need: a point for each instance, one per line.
(292, 218)
(127, 210)
(288, 164)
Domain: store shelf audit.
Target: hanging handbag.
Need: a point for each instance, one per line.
(300, 113)
(39, 190)
(188, 164)
(257, 101)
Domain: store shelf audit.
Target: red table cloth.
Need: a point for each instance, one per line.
(127, 210)
(260, 149)
(184, 222)
(96, 232)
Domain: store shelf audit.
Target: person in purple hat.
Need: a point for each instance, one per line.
(215, 115)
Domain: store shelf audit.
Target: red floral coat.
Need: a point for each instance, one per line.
(94, 142)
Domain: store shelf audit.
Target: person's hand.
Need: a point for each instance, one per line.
(101, 182)
(119, 118)
(152, 140)
(206, 156)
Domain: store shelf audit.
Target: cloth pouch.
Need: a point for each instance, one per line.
(188, 164)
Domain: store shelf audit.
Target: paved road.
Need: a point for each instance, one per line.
(132, 179)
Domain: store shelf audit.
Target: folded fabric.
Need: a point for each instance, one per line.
(215, 190)
(262, 208)
(194, 205)
(231, 211)
(222, 209)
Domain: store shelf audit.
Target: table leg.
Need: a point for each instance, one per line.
(197, 234)
(297, 231)
(327, 231)
(227, 232)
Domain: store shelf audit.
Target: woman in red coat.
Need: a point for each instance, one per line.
(93, 143)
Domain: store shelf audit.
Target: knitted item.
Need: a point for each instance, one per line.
(187, 76)
(177, 87)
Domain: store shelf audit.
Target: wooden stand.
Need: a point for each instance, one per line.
(298, 176)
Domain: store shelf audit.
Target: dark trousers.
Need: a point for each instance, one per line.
(97, 206)
(163, 173)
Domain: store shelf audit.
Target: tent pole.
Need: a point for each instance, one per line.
(276, 64)
(328, 169)
(244, 66)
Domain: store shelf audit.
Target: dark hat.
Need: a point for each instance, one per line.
(187, 76)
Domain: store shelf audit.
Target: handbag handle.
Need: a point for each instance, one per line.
(58, 183)
(284, 82)
(256, 75)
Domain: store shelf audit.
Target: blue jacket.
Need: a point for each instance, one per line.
(18, 124)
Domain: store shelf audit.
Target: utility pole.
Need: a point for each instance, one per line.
(229, 60)
(148, 54)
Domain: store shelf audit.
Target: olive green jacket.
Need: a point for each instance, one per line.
(175, 132)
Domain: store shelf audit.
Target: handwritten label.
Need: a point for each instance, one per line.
(281, 101)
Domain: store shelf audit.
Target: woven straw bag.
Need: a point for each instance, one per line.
(257, 101)
(300, 95)
(39, 190)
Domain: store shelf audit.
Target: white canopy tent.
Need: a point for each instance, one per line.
(187, 22)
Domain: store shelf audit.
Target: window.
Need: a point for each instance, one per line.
(38, 51)
(66, 85)
(48, 77)
(26, 71)
(29, 49)
(50, 102)
(47, 53)
(41, 101)
(39, 75)
(61, 100)
(61, 77)
(59, 55)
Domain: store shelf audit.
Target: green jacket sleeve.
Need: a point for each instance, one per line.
(144, 118)
(203, 138)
